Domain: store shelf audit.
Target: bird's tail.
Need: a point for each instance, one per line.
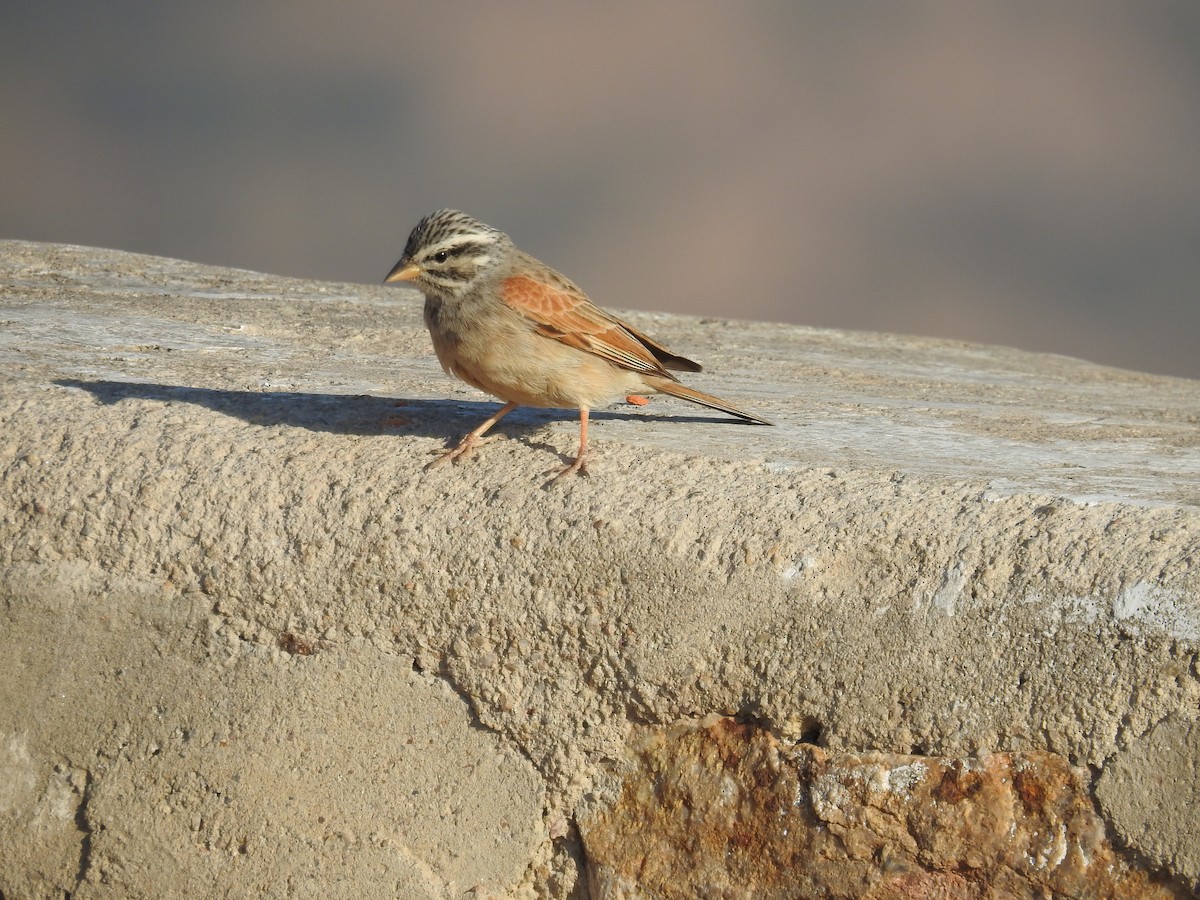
(675, 389)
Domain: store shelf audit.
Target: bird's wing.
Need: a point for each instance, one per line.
(668, 359)
(560, 310)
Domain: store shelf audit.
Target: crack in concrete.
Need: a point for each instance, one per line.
(83, 823)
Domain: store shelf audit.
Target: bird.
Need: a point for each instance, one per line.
(513, 327)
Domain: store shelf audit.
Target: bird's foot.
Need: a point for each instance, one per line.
(465, 446)
(579, 467)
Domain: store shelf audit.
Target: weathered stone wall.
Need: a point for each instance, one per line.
(249, 645)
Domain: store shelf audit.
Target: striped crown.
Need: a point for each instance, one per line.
(452, 249)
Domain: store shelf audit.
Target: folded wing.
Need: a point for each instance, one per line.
(560, 310)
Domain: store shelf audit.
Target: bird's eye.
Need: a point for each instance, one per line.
(441, 256)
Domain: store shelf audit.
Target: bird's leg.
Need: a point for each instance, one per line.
(473, 439)
(579, 466)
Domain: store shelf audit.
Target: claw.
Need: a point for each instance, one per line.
(579, 467)
(473, 439)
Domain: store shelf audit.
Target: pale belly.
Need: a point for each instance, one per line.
(538, 371)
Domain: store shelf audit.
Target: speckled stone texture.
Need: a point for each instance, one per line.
(721, 809)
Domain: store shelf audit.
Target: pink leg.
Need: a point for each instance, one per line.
(474, 439)
(579, 465)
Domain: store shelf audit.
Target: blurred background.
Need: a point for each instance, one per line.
(1018, 172)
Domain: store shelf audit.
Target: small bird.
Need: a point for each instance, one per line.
(515, 328)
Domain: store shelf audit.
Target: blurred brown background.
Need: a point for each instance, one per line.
(1018, 172)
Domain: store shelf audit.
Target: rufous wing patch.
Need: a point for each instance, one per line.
(565, 314)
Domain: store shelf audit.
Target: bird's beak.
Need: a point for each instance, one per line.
(403, 271)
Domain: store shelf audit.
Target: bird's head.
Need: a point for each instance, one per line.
(447, 252)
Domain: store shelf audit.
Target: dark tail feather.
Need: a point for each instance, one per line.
(665, 357)
(675, 389)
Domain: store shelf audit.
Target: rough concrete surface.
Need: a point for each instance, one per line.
(1160, 771)
(249, 645)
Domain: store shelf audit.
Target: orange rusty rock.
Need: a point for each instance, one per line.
(724, 809)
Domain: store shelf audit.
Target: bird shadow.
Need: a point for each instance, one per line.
(357, 414)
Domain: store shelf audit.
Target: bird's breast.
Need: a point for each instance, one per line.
(492, 347)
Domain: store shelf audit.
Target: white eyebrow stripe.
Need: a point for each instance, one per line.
(478, 239)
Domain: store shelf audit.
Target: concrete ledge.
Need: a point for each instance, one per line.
(232, 595)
